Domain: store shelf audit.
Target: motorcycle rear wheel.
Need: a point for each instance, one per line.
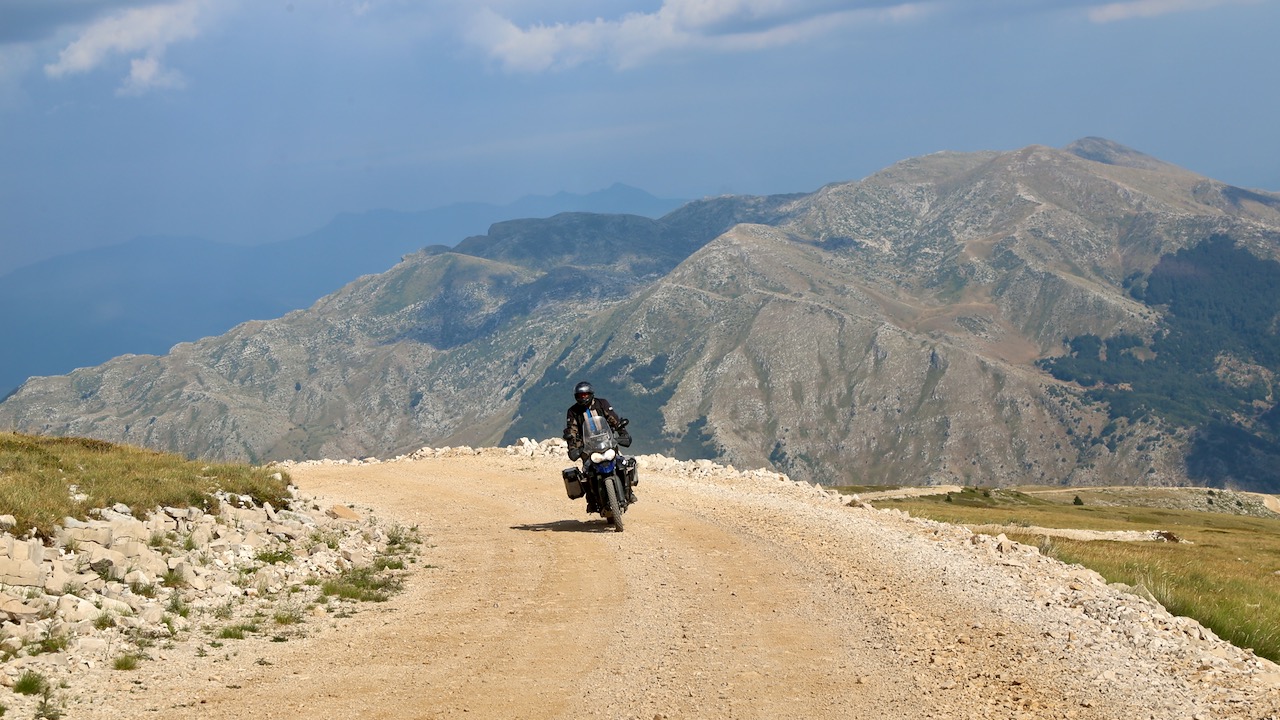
(615, 508)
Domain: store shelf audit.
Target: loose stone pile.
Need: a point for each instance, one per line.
(124, 581)
(557, 448)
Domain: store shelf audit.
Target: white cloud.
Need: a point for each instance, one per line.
(143, 32)
(539, 47)
(1112, 12)
(146, 74)
(704, 25)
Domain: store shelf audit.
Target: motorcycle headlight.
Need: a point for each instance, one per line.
(610, 454)
(597, 458)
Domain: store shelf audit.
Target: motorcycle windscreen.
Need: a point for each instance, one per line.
(597, 436)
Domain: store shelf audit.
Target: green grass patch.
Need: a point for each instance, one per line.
(1224, 576)
(172, 579)
(388, 563)
(274, 556)
(378, 581)
(238, 631)
(366, 584)
(142, 589)
(178, 606)
(40, 473)
(50, 643)
(128, 661)
(30, 683)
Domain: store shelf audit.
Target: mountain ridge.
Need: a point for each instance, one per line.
(147, 294)
(868, 332)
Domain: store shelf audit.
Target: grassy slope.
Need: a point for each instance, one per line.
(1225, 574)
(43, 480)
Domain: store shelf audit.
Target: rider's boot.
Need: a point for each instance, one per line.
(631, 497)
(591, 506)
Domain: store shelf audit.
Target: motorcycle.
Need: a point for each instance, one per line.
(606, 475)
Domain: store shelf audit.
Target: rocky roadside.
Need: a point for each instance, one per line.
(130, 586)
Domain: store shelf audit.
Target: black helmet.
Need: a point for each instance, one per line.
(584, 393)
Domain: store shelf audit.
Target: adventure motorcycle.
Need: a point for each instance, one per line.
(605, 476)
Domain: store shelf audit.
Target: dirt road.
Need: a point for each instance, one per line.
(726, 597)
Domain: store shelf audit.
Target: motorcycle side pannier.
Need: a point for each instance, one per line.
(573, 482)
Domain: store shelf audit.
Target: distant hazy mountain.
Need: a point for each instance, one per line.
(1087, 315)
(146, 295)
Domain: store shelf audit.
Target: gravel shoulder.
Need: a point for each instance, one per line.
(730, 595)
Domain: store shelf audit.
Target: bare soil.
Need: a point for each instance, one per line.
(726, 597)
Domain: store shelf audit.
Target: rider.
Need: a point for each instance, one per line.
(585, 399)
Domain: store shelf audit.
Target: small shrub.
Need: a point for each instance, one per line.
(288, 616)
(46, 709)
(1047, 547)
(30, 683)
(74, 588)
(128, 661)
(224, 611)
(326, 538)
(399, 538)
(388, 563)
(142, 589)
(237, 632)
(365, 584)
(143, 641)
(51, 643)
(1077, 501)
(178, 606)
(104, 620)
(103, 570)
(274, 556)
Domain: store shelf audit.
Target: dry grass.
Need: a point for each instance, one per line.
(1224, 575)
(44, 479)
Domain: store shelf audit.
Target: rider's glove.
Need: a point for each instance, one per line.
(575, 453)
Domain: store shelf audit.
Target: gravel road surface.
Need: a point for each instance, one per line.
(728, 596)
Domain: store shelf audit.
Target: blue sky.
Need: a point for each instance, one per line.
(256, 120)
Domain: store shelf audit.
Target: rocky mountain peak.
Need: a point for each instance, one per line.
(894, 329)
(1108, 152)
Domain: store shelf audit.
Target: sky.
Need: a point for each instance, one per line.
(251, 121)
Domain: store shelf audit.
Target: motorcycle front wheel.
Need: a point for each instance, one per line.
(611, 485)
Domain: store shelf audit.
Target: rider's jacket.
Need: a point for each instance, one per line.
(573, 419)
